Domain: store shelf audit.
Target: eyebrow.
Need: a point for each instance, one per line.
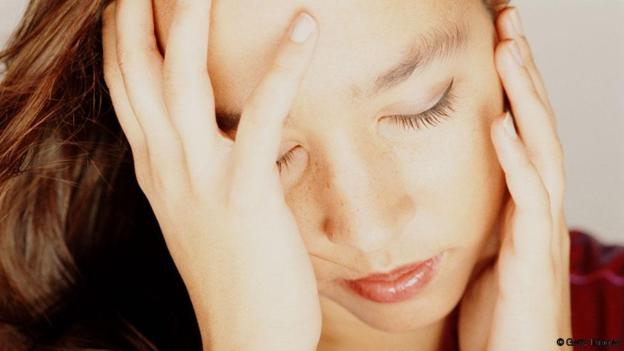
(437, 44)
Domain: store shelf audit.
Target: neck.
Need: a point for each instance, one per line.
(343, 331)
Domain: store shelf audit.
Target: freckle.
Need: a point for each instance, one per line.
(356, 92)
(406, 203)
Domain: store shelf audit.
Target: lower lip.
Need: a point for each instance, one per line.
(400, 289)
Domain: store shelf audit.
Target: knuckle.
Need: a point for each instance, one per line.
(539, 198)
(173, 77)
(557, 182)
(534, 93)
(172, 71)
(542, 201)
(171, 82)
(125, 58)
(281, 69)
(555, 190)
(287, 66)
(134, 56)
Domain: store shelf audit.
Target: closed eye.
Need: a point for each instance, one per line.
(431, 117)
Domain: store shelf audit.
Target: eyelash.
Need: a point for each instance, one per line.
(284, 160)
(442, 110)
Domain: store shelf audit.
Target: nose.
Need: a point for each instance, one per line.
(366, 204)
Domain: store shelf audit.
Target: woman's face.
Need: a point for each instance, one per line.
(371, 192)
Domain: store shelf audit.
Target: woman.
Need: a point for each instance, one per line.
(403, 212)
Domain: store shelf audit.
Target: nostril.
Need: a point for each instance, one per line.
(365, 238)
(328, 228)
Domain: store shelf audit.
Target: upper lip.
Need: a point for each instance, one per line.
(393, 274)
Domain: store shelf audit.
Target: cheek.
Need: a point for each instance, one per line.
(459, 190)
(457, 181)
(470, 183)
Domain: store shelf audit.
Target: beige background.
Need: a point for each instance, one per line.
(579, 46)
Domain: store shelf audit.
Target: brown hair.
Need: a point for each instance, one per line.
(82, 263)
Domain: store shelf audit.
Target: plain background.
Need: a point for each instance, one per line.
(579, 47)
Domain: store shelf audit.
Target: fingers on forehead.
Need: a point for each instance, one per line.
(135, 25)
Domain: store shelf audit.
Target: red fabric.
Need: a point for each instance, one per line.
(597, 287)
(597, 293)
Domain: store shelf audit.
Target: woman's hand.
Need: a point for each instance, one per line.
(522, 302)
(219, 203)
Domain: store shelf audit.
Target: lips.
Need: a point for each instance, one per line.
(397, 285)
(394, 274)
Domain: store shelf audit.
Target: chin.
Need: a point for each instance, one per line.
(408, 318)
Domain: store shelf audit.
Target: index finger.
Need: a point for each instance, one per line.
(259, 132)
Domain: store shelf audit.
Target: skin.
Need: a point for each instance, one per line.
(368, 221)
(362, 194)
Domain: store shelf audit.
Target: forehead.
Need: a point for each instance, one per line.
(358, 39)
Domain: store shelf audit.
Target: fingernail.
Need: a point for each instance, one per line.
(516, 22)
(303, 28)
(515, 52)
(508, 124)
